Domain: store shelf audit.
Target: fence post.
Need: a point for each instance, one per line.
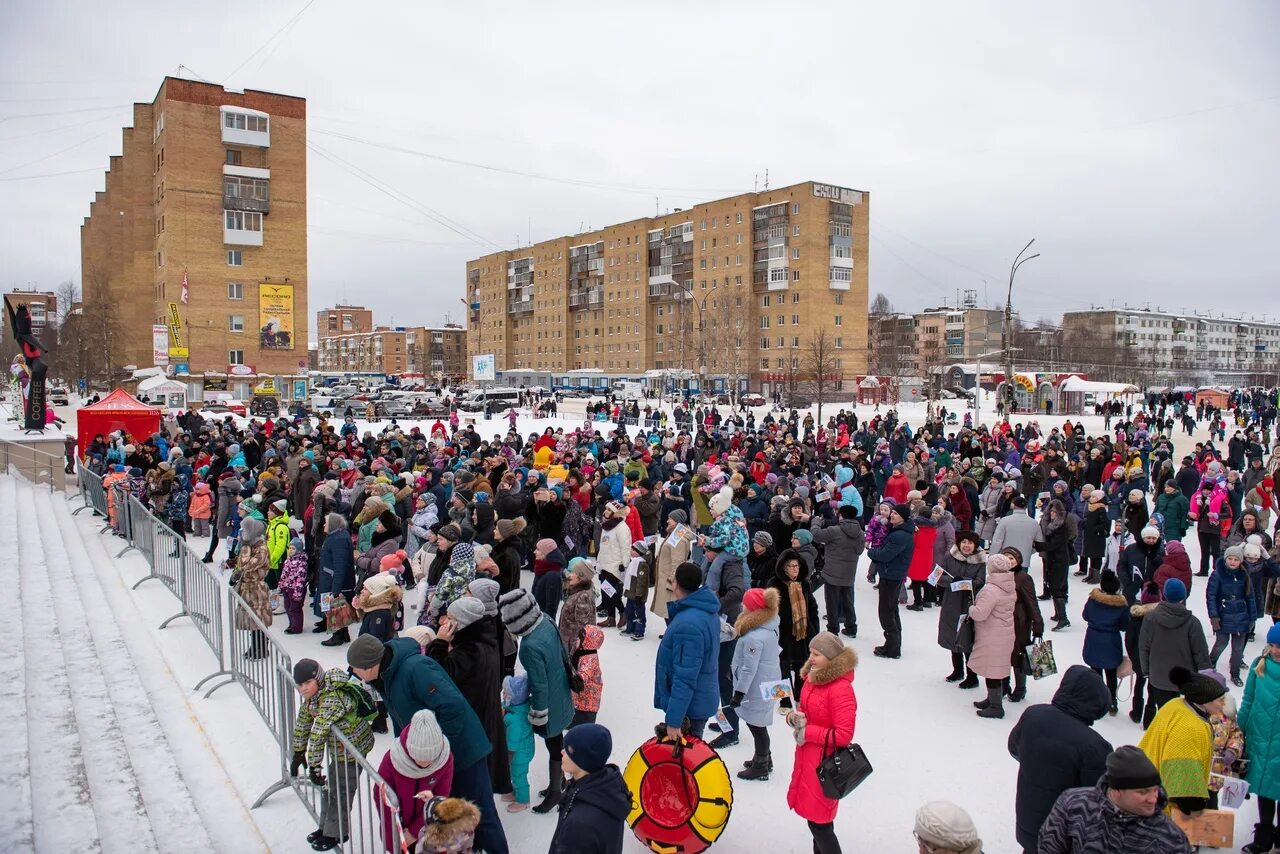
(129, 533)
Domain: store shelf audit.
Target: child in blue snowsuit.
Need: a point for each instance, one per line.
(515, 715)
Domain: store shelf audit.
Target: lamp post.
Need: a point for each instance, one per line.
(1007, 335)
(701, 305)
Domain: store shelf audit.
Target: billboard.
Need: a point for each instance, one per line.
(482, 368)
(159, 344)
(275, 316)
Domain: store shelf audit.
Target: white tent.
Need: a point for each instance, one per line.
(170, 394)
(1080, 385)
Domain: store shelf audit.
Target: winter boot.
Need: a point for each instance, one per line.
(1045, 596)
(1135, 711)
(970, 680)
(1019, 686)
(995, 703)
(552, 798)
(723, 740)
(757, 769)
(1263, 837)
(340, 637)
(957, 667)
(1060, 615)
(768, 761)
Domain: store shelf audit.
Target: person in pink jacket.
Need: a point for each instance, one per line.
(823, 720)
(201, 509)
(417, 768)
(992, 613)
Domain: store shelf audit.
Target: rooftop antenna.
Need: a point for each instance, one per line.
(655, 205)
(766, 180)
(755, 182)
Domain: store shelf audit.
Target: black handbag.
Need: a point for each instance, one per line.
(966, 637)
(843, 770)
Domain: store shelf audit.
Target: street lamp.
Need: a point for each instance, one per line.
(1007, 336)
(702, 334)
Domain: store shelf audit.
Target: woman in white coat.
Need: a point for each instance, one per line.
(755, 662)
(992, 613)
(612, 558)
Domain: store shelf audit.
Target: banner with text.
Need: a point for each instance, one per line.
(159, 344)
(275, 317)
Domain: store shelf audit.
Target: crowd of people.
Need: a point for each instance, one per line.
(481, 576)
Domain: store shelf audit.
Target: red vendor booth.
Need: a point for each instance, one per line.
(117, 411)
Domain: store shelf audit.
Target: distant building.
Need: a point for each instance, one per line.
(431, 352)
(1160, 347)
(958, 334)
(892, 351)
(343, 320)
(43, 306)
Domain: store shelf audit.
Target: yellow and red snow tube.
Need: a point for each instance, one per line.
(681, 795)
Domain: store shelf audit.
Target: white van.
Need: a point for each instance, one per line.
(474, 400)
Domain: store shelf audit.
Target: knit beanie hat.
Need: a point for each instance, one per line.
(753, 599)
(681, 517)
(280, 506)
(763, 538)
(999, 563)
(520, 613)
(1129, 768)
(393, 561)
(466, 610)
(509, 528)
(486, 590)
(450, 532)
(424, 635)
(1174, 590)
(583, 568)
(720, 502)
(426, 742)
(827, 644)
(1273, 635)
(1252, 551)
(589, 746)
(942, 824)
(1110, 582)
(1149, 531)
(296, 544)
(803, 535)
(305, 669)
(365, 651)
(1236, 552)
(1196, 688)
(544, 547)
(517, 689)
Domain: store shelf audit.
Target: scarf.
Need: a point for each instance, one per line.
(799, 611)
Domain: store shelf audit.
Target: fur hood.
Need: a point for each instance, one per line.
(979, 555)
(1115, 600)
(387, 599)
(450, 824)
(1142, 610)
(749, 620)
(843, 663)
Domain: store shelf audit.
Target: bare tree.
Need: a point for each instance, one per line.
(821, 366)
(881, 305)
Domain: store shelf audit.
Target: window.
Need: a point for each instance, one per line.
(839, 320)
(764, 343)
(703, 245)
(240, 121)
(764, 363)
(235, 258)
(795, 297)
(243, 220)
(839, 299)
(795, 275)
(795, 209)
(782, 320)
(795, 342)
(737, 239)
(233, 157)
(841, 251)
(235, 290)
(795, 230)
(159, 259)
(765, 301)
(839, 342)
(764, 322)
(235, 323)
(235, 357)
(159, 128)
(795, 320)
(738, 220)
(841, 274)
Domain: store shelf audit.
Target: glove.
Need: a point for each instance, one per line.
(316, 777)
(298, 761)
(540, 730)
(871, 576)
(738, 697)
(1215, 624)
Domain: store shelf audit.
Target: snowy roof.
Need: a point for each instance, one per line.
(1077, 384)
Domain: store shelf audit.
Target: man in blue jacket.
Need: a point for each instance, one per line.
(686, 683)
(891, 561)
(411, 681)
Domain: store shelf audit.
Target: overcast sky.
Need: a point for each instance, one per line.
(1136, 141)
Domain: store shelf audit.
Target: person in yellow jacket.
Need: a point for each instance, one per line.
(278, 536)
(1179, 741)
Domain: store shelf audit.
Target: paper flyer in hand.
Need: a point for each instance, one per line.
(935, 576)
(776, 690)
(326, 602)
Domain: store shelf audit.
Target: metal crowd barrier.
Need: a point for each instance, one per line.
(368, 811)
(37, 466)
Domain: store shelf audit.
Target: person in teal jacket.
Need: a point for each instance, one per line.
(544, 660)
(1174, 508)
(1259, 719)
(410, 681)
(515, 715)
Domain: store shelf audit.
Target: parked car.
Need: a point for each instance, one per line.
(392, 409)
(752, 399)
(431, 406)
(59, 397)
(264, 406)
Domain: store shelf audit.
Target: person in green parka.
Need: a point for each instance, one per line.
(550, 701)
(1259, 719)
(1174, 508)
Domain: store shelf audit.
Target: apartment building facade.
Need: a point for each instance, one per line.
(42, 305)
(744, 290)
(432, 352)
(893, 351)
(343, 320)
(958, 334)
(195, 251)
(1173, 347)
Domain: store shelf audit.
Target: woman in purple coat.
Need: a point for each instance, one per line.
(418, 761)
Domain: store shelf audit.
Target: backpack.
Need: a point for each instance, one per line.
(360, 701)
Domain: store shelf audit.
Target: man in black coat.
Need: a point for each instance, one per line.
(594, 808)
(1188, 478)
(1057, 749)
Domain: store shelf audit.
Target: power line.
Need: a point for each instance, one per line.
(273, 37)
(53, 174)
(53, 154)
(63, 112)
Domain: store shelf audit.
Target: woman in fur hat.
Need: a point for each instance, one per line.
(964, 562)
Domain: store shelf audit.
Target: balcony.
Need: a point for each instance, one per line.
(520, 306)
(240, 203)
(242, 126)
(241, 228)
(661, 274)
(587, 298)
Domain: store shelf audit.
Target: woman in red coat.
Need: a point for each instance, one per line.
(823, 721)
(958, 504)
(922, 560)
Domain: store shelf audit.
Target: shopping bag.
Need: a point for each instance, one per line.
(340, 615)
(1040, 657)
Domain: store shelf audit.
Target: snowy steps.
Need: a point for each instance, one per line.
(100, 772)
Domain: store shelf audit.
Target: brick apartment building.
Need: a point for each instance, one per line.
(743, 285)
(201, 228)
(431, 352)
(343, 320)
(43, 306)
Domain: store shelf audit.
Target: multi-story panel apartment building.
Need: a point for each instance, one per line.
(431, 352)
(1173, 347)
(893, 346)
(201, 229)
(747, 291)
(343, 320)
(42, 305)
(959, 334)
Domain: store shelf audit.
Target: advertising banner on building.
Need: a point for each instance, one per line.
(159, 344)
(275, 316)
(482, 367)
(175, 325)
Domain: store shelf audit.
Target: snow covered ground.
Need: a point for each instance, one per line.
(920, 733)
